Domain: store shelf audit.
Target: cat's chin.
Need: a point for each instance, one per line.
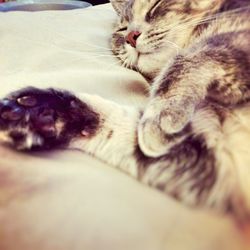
(147, 62)
(149, 65)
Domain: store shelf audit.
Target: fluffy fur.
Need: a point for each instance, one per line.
(196, 56)
(192, 140)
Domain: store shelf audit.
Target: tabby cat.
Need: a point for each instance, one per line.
(192, 141)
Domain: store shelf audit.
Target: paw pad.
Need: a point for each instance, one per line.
(38, 118)
(27, 101)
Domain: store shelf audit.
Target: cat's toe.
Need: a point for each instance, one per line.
(173, 121)
(13, 130)
(9, 111)
(156, 135)
(161, 126)
(151, 138)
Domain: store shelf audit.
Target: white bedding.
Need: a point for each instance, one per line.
(67, 200)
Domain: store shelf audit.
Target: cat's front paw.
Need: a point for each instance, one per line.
(161, 126)
(34, 118)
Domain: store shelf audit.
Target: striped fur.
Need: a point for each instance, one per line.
(192, 141)
(196, 56)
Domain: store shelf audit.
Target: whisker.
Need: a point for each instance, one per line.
(100, 55)
(112, 66)
(196, 20)
(178, 48)
(96, 46)
(90, 60)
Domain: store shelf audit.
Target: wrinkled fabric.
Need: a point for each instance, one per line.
(68, 200)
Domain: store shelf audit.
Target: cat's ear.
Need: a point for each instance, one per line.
(204, 5)
(118, 5)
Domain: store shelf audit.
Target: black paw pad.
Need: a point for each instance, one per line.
(44, 118)
(9, 111)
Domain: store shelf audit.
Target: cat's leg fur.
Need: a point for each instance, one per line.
(209, 70)
(44, 119)
(35, 119)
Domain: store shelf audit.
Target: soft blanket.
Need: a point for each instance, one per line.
(65, 199)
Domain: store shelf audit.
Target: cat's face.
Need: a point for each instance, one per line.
(150, 33)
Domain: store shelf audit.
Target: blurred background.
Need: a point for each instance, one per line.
(93, 2)
(39, 5)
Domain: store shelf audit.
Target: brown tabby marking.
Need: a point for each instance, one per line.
(199, 69)
(192, 140)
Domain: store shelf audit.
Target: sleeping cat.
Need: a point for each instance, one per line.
(192, 141)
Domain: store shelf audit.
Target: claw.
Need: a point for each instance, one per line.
(27, 101)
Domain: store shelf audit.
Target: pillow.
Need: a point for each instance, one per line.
(65, 49)
(67, 200)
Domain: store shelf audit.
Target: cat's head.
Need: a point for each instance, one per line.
(149, 33)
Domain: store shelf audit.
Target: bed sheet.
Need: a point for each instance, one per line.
(67, 200)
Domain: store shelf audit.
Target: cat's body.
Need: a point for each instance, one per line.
(200, 55)
(193, 139)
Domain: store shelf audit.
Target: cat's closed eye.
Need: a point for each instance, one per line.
(150, 13)
(122, 29)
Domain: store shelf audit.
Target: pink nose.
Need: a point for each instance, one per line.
(132, 37)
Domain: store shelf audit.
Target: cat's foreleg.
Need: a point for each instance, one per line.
(115, 141)
(204, 73)
(174, 98)
(47, 118)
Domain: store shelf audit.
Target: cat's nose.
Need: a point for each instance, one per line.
(132, 37)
